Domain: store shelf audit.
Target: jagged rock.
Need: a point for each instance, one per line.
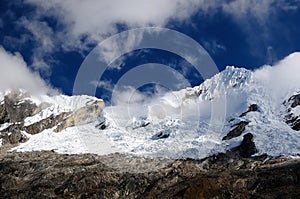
(84, 115)
(161, 135)
(295, 100)
(17, 107)
(16, 136)
(291, 119)
(237, 131)
(12, 135)
(247, 147)
(251, 108)
(51, 175)
(140, 123)
(46, 123)
(102, 125)
(3, 114)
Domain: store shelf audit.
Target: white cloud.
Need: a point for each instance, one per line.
(99, 17)
(44, 38)
(96, 20)
(16, 75)
(107, 85)
(91, 21)
(282, 79)
(243, 9)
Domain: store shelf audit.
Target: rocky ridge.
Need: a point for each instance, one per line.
(17, 106)
(292, 117)
(227, 175)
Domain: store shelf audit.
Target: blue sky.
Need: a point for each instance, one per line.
(54, 37)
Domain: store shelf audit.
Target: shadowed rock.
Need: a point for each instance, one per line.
(46, 123)
(51, 175)
(247, 147)
(237, 131)
(251, 108)
(290, 118)
(161, 135)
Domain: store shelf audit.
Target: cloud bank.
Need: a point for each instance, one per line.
(91, 21)
(282, 79)
(15, 74)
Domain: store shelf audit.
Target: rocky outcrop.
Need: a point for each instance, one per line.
(247, 147)
(3, 114)
(51, 175)
(46, 123)
(236, 131)
(12, 135)
(290, 118)
(161, 135)
(295, 100)
(86, 114)
(251, 108)
(17, 106)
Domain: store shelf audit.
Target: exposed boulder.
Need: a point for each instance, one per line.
(237, 131)
(251, 108)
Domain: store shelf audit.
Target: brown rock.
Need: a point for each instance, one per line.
(237, 131)
(247, 147)
(51, 175)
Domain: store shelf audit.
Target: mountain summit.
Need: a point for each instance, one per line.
(191, 123)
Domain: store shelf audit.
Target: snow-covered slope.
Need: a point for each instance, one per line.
(188, 123)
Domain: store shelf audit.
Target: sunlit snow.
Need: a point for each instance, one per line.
(189, 123)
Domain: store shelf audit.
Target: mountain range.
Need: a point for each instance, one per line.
(190, 123)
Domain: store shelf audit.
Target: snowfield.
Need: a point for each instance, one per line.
(189, 123)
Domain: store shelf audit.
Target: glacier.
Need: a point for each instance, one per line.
(189, 123)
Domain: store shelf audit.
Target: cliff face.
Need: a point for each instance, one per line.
(234, 174)
(51, 175)
(292, 116)
(17, 108)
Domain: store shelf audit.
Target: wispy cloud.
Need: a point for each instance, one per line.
(82, 23)
(107, 85)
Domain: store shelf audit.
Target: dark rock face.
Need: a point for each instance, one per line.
(291, 119)
(17, 108)
(295, 100)
(237, 131)
(46, 123)
(12, 135)
(50, 175)
(161, 135)
(3, 114)
(251, 108)
(247, 148)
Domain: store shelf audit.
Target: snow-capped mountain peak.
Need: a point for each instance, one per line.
(193, 122)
